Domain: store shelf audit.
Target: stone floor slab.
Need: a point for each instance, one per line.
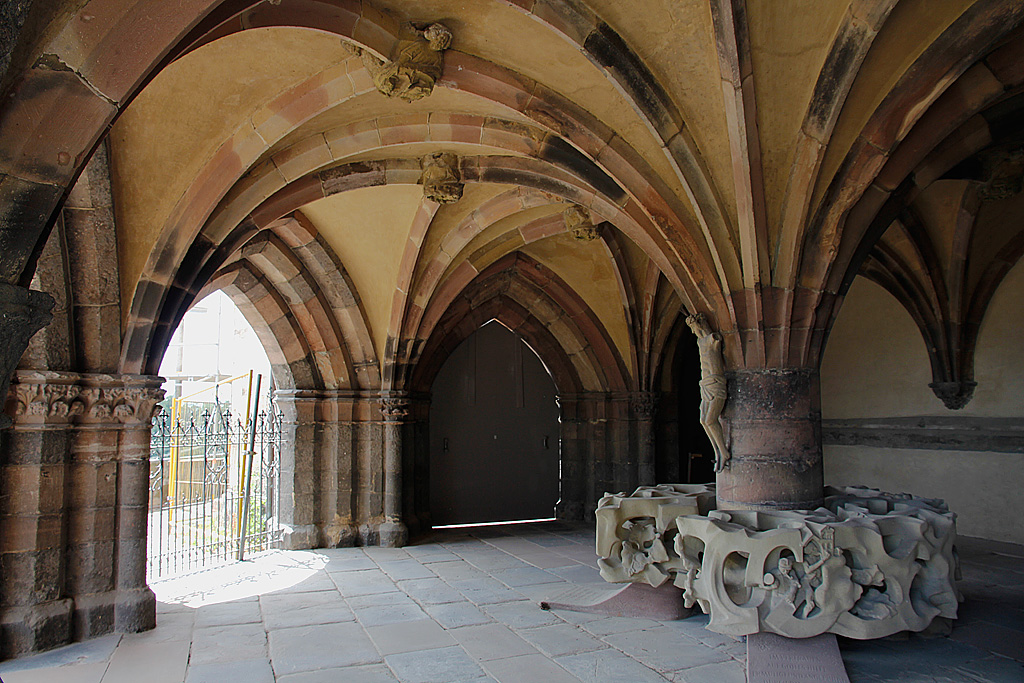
(528, 668)
(562, 639)
(320, 647)
(228, 643)
(491, 641)
(663, 649)
(364, 582)
(720, 672)
(607, 666)
(409, 636)
(446, 665)
(457, 614)
(430, 591)
(78, 673)
(380, 615)
(375, 673)
(521, 614)
(252, 671)
(150, 662)
(246, 611)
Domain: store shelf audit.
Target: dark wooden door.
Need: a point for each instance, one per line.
(493, 433)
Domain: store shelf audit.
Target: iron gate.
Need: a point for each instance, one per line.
(197, 487)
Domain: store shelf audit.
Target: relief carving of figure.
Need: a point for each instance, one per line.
(418, 63)
(713, 388)
(579, 224)
(441, 178)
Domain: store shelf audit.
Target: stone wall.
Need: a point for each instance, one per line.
(884, 427)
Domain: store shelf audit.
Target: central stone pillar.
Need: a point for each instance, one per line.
(395, 411)
(774, 430)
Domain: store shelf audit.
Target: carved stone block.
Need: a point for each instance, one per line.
(441, 177)
(415, 67)
(634, 531)
(865, 565)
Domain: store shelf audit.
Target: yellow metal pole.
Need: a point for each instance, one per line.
(241, 460)
(172, 492)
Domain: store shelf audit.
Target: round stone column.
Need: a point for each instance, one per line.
(395, 411)
(644, 404)
(774, 423)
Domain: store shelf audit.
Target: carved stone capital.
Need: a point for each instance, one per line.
(48, 397)
(579, 224)
(23, 312)
(395, 409)
(1004, 174)
(441, 177)
(644, 404)
(416, 65)
(954, 395)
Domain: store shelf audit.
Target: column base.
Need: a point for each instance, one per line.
(392, 534)
(135, 610)
(35, 628)
(340, 534)
(94, 615)
(569, 510)
(300, 537)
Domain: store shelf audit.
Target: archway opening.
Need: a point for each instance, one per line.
(494, 433)
(215, 448)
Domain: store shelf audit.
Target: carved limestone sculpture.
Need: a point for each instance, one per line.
(865, 565)
(579, 224)
(415, 67)
(441, 178)
(631, 530)
(713, 386)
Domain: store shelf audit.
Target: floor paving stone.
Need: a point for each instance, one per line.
(409, 636)
(403, 570)
(719, 672)
(376, 673)
(525, 576)
(150, 662)
(363, 582)
(662, 649)
(528, 668)
(430, 591)
(226, 644)
(562, 639)
(456, 614)
(609, 625)
(252, 671)
(492, 641)
(380, 615)
(608, 666)
(320, 647)
(445, 665)
(521, 614)
(351, 561)
(245, 611)
(329, 608)
(79, 673)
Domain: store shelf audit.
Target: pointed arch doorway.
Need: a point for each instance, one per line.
(494, 433)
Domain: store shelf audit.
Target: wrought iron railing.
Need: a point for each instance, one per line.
(197, 487)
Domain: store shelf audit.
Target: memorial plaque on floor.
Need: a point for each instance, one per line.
(775, 659)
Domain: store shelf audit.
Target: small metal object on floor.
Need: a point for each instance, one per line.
(634, 600)
(775, 659)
